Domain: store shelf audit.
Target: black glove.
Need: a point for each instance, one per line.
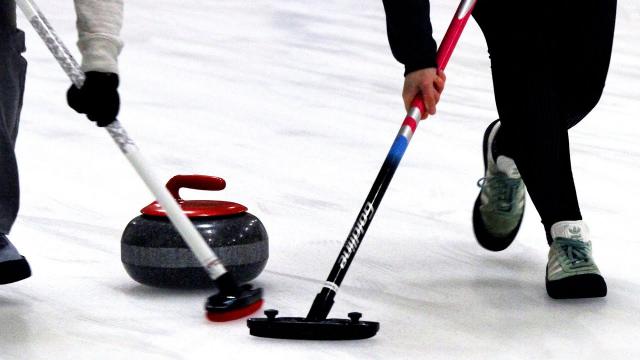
(98, 97)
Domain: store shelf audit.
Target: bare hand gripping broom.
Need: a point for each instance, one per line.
(316, 326)
(232, 301)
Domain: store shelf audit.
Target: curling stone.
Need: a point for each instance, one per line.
(153, 253)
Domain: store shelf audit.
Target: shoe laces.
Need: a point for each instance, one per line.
(575, 251)
(502, 190)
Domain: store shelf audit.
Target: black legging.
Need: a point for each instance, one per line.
(549, 61)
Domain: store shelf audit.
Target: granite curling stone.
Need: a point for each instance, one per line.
(153, 253)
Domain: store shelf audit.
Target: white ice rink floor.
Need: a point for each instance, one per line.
(295, 104)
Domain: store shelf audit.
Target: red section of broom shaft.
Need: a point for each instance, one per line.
(449, 42)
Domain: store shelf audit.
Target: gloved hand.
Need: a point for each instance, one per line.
(98, 98)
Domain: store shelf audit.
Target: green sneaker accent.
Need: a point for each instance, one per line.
(570, 252)
(502, 197)
(570, 257)
(571, 271)
(499, 207)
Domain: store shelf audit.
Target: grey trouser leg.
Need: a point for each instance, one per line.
(13, 69)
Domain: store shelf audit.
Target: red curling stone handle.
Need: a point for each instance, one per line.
(197, 182)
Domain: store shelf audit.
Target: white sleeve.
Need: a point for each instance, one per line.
(99, 23)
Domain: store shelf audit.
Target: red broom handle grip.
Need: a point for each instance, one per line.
(449, 42)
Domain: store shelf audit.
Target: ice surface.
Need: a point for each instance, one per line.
(295, 104)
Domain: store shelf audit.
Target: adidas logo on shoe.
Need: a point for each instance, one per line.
(575, 233)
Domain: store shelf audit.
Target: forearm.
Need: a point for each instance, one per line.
(410, 33)
(99, 23)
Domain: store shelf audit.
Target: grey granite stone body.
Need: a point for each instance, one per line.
(153, 253)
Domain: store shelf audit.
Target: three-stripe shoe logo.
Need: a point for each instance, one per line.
(554, 265)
